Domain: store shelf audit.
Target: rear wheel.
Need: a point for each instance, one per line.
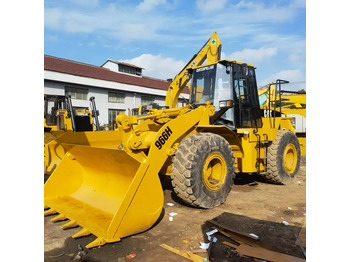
(283, 160)
(202, 170)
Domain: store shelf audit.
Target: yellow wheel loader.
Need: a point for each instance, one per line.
(52, 103)
(61, 121)
(111, 187)
(60, 115)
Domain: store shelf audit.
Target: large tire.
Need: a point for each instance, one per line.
(203, 170)
(283, 158)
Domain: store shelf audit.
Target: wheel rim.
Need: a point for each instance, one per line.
(214, 171)
(290, 158)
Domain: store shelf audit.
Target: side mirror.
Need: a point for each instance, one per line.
(226, 104)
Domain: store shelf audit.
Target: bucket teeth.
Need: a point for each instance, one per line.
(82, 233)
(97, 242)
(60, 217)
(70, 224)
(51, 211)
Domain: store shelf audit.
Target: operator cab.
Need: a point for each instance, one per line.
(51, 104)
(224, 81)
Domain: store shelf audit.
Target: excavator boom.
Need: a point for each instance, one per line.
(210, 52)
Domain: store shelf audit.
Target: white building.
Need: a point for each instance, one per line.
(116, 86)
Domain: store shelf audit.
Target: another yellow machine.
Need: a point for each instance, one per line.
(290, 102)
(61, 121)
(111, 187)
(52, 103)
(284, 102)
(60, 115)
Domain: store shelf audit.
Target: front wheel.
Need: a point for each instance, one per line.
(202, 170)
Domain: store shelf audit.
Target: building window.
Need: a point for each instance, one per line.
(112, 114)
(116, 97)
(146, 100)
(129, 70)
(77, 93)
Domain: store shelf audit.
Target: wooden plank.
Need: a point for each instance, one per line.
(251, 242)
(262, 253)
(176, 251)
(230, 244)
(242, 237)
(188, 255)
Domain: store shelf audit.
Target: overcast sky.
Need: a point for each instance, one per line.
(163, 35)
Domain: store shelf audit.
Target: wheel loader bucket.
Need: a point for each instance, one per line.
(54, 151)
(106, 191)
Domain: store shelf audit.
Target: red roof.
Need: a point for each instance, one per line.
(80, 69)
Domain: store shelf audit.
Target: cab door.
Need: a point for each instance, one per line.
(247, 110)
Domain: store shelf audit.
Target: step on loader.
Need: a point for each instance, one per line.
(113, 190)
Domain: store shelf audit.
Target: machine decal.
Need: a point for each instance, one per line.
(204, 68)
(163, 138)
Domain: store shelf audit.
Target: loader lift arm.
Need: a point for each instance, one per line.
(210, 52)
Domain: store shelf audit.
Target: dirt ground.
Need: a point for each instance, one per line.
(257, 208)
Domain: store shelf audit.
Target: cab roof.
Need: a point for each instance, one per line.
(224, 60)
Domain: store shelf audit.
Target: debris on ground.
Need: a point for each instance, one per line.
(285, 223)
(62, 254)
(211, 233)
(130, 256)
(254, 236)
(250, 246)
(204, 245)
(81, 254)
(59, 255)
(171, 215)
